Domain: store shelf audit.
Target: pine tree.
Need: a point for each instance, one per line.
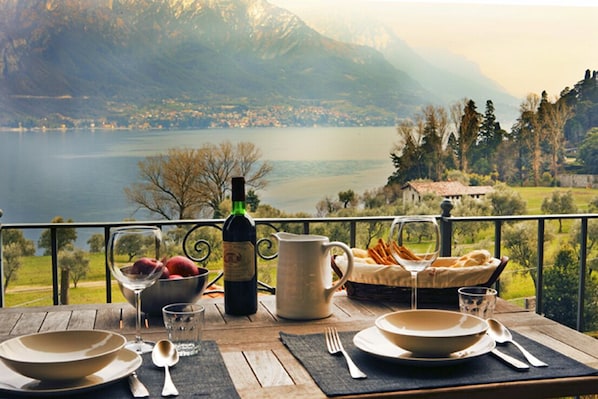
(490, 137)
(407, 163)
(468, 133)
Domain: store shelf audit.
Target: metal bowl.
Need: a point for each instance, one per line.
(165, 292)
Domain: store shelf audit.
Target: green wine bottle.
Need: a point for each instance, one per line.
(240, 257)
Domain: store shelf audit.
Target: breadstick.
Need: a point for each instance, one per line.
(405, 252)
(380, 259)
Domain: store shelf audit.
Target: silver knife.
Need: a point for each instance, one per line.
(517, 364)
(137, 388)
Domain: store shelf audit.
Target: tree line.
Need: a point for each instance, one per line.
(533, 153)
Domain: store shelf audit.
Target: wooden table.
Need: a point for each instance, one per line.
(261, 367)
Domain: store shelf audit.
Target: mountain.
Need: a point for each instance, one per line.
(449, 77)
(91, 58)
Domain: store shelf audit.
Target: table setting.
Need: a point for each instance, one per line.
(388, 371)
(421, 348)
(427, 348)
(204, 375)
(97, 363)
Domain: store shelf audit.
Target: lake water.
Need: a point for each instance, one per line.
(81, 175)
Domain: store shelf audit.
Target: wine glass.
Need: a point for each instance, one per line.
(134, 260)
(414, 243)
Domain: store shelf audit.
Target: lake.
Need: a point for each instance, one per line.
(81, 175)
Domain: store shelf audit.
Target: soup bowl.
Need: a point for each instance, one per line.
(61, 355)
(431, 333)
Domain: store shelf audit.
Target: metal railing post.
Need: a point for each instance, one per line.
(497, 249)
(446, 228)
(107, 268)
(540, 268)
(353, 234)
(497, 238)
(583, 253)
(306, 228)
(54, 255)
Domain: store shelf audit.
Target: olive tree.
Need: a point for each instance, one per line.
(575, 238)
(14, 247)
(65, 236)
(467, 206)
(348, 198)
(559, 203)
(75, 262)
(96, 243)
(521, 242)
(505, 201)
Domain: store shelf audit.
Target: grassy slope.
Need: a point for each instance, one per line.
(517, 286)
(535, 195)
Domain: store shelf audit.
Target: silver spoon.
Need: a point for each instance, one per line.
(502, 335)
(165, 355)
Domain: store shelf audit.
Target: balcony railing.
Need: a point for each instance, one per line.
(200, 249)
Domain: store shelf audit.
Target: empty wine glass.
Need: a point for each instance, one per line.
(414, 243)
(134, 260)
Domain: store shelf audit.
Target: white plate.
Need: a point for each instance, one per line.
(60, 355)
(125, 363)
(373, 342)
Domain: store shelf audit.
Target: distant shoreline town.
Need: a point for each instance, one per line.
(213, 117)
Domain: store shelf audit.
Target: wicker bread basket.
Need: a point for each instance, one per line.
(438, 286)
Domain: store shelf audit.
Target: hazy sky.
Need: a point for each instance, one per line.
(526, 46)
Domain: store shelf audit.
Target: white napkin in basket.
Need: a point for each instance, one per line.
(433, 277)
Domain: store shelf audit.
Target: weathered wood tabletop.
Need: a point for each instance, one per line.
(261, 367)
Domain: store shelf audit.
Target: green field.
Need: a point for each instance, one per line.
(534, 196)
(34, 279)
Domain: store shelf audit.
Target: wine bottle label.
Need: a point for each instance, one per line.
(239, 260)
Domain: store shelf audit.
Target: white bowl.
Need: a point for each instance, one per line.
(432, 333)
(61, 355)
(165, 292)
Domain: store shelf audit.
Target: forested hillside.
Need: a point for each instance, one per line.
(550, 136)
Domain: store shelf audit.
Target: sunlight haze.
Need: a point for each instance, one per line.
(524, 46)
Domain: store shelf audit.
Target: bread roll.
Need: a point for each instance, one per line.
(474, 258)
(359, 253)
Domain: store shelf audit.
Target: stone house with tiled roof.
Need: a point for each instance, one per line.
(414, 191)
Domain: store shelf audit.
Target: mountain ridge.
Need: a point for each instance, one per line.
(87, 59)
(101, 57)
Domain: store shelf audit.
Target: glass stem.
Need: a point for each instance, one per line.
(414, 290)
(138, 339)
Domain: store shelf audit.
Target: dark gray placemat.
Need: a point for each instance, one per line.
(201, 376)
(331, 374)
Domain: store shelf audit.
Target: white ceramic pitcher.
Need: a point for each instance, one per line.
(304, 275)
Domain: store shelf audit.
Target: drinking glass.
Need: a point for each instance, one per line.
(414, 243)
(134, 260)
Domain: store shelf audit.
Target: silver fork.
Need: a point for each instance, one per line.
(334, 344)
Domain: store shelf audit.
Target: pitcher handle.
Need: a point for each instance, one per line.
(349, 270)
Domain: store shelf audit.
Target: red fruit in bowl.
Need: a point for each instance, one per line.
(165, 274)
(175, 277)
(145, 266)
(182, 266)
